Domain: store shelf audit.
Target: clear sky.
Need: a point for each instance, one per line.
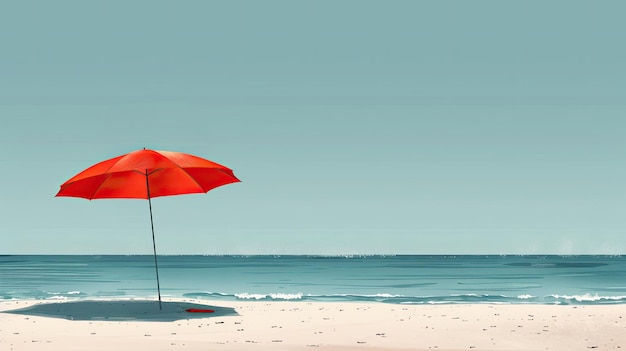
(356, 127)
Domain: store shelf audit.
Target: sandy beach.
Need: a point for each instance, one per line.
(312, 326)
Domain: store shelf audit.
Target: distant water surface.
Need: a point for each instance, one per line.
(403, 279)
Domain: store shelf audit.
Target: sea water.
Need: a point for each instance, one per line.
(402, 279)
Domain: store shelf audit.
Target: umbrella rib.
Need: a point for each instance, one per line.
(182, 169)
(192, 178)
(93, 195)
(146, 173)
(106, 178)
(108, 175)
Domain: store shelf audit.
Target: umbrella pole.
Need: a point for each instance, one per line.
(156, 265)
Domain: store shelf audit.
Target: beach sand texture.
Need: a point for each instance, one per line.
(314, 326)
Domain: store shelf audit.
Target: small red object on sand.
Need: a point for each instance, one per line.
(199, 310)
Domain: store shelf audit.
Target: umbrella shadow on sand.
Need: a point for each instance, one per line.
(124, 310)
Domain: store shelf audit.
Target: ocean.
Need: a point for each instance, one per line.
(401, 279)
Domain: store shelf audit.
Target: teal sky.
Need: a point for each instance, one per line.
(356, 127)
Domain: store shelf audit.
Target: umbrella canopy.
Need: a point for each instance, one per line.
(144, 174)
(167, 173)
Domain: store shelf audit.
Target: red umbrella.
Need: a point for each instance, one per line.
(144, 174)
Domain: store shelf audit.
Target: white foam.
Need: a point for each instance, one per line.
(385, 295)
(297, 296)
(57, 293)
(275, 296)
(57, 298)
(247, 296)
(525, 297)
(588, 297)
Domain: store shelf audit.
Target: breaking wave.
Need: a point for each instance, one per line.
(246, 296)
(588, 299)
(426, 300)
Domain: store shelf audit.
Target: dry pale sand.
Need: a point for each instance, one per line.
(314, 326)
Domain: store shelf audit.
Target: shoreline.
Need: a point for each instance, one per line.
(300, 325)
